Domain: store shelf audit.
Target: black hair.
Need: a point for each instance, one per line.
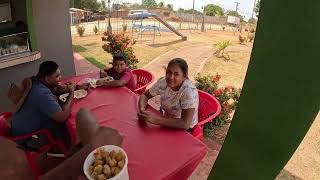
(119, 56)
(182, 64)
(47, 68)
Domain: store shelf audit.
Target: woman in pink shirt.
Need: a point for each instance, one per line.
(120, 72)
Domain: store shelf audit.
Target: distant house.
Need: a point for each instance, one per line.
(79, 15)
(121, 13)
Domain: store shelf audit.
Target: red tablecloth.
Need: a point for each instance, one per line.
(154, 152)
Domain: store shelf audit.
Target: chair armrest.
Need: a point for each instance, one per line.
(209, 119)
(42, 131)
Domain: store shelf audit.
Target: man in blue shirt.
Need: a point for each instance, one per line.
(14, 165)
(41, 109)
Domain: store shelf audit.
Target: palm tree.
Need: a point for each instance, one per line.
(222, 45)
(169, 6)
(161, 4)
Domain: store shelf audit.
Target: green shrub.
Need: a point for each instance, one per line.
(124, 27)
(242, 39)
(250, 37)
(221, 47)
(115, 43)
(95, 29)
(227, 96)
(80, 30)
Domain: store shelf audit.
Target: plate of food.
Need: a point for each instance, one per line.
(81, 93)
(107, 162)
(93, 81)
(64, 97)
(108, 78)
(78, 94)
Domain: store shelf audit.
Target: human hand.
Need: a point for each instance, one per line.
(71, 87)
(146, 116)
(100, 82)
(141, 109)
(106, 136)
(83, 86)
(103, 74)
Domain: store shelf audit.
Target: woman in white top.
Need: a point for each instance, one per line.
(179, 98)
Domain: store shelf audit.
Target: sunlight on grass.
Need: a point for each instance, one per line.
(93, 61)
(91, 46)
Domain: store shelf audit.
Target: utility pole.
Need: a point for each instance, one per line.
(193, 11)
(109, 28)
(237, 6)
(193, 5)
(254, 6)
(202, 25)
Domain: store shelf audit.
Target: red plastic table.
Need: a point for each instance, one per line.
(154, 152)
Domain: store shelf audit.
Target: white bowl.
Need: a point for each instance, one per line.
(123, 175)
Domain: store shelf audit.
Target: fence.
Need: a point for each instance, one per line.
(180, 21)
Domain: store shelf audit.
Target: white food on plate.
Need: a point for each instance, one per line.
(93, 82)
(78, 94)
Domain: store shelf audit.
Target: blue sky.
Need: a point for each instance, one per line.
(245, 6)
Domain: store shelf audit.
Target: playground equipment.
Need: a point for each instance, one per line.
(138, 16)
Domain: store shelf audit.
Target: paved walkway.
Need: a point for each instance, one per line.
(83, 66)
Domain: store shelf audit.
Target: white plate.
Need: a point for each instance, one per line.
(78, 94)
(64, 97)
(81, 93)
(93, 82)
(108, 78)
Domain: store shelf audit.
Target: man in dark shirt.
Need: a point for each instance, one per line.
(41, 109)
(14, 165)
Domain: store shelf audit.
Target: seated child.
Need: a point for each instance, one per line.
(120, 72)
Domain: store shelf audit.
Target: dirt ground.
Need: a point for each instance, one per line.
(149, 48)
(145, 51)
(305, 163)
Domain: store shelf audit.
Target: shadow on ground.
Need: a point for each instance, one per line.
(166, 44)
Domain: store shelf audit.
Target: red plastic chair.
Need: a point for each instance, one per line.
(144, 78)
(209, 108)
(31, 156)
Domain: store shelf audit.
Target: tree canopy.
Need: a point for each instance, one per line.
(161, 4)
(92, 5)
(149, 3)
(170, 7)
(257, 8)
(213, 10)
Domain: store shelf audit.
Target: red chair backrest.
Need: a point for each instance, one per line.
(4, 128)
(144, 78)
(209, 107)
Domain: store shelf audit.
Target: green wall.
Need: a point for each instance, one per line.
(281, 94)
(31, 29)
